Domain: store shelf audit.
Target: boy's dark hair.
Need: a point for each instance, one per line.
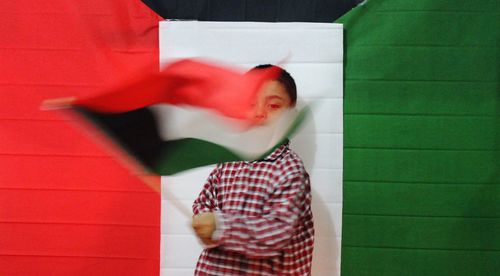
(286, 79)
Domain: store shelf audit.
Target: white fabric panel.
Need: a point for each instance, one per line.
(314, 57)
(251, 42)
(322, 180)
(179, 251)
(178, 271)
(318, 80)
(327, 149)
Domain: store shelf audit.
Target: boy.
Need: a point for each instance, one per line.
(255, 218)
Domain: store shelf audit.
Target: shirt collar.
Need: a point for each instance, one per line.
(277, 152)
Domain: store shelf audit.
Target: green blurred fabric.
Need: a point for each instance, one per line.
(421, 138)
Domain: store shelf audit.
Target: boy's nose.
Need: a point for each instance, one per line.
(260, 113)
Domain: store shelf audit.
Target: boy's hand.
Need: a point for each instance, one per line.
(204, 226)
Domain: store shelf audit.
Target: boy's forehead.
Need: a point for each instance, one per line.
(274, 88)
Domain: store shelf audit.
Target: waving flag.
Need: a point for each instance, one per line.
(138, 116)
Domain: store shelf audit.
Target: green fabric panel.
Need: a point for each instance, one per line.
(424, 22)
(439, 6)
(421, 166)
(419, 199)
(400, 261)
(424, 232)
(421, 132)
(421, 189)
(419, 63)
(413, 97)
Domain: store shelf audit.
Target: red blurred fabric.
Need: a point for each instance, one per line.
(66, 206)
(186, 82)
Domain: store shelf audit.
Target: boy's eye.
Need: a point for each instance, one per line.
(274, 106)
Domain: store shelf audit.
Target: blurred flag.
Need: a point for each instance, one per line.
(188, 115)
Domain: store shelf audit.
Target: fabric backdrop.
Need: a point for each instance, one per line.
(421, 179)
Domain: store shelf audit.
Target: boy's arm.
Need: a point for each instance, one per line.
(265, 235)
(207, 199)
(203, 207)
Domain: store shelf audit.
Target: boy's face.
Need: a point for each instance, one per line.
(271, 102)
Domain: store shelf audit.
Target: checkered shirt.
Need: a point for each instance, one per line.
(264, 218)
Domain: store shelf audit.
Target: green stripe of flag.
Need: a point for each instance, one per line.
(421, 158)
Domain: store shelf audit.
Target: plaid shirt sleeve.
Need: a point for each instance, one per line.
(264, 235)
(207, 199)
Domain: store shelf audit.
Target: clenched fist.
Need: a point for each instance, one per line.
(204, 226)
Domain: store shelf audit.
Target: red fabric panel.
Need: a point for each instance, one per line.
(84, 265)
(23, 101)
(45, 138)
(102, 207)
(88, 175)
(66, 206)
